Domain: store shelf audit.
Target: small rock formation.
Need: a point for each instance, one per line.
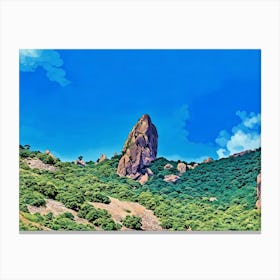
(37, 163)
(149, 172)
(47, 152)
(168, 166)
(143, 179)
(208, 160)
(102, 158)
(192, 166)
(242, 153)
(212, 199)
(258, 202)
(181, 167)
(139, 150)
(189, 228)
(171, 178)
(80, 162)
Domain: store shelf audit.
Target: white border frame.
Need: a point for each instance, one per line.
(140, 24)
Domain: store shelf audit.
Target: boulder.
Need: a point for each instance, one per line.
(134, 176)
(192, 166)
(168, 166)
(80, 162)
(47, 152)
(149, 172)
(143, 179)
(181, 167)
(213, 199)
(139, 150)
(171, 178)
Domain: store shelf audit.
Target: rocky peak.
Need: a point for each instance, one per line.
(139, 150)
(209, 159)
(80, 162)
(101, 158)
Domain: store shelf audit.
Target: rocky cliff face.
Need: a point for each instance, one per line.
(139, 150)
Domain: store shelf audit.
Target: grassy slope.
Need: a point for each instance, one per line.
(179, 206)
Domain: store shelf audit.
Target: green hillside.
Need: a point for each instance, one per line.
(215, 196)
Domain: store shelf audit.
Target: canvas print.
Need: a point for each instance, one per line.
(140, 140)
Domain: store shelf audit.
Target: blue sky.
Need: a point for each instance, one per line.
(85, 102)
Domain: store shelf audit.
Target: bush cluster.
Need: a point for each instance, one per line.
(132, 222)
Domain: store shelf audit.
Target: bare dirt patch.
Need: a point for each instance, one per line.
(56, 208)
(119, 209)
(37, 163)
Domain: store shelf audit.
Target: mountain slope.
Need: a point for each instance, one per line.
(215, 196)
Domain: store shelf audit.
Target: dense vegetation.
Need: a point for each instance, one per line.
(187, 204)
(132, 222)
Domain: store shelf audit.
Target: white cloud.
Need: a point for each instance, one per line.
(49, 60)
(243, 141)
(245, 136)
(251, 122)
(222, 153)
(222, 138)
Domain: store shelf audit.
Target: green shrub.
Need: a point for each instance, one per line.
(48, 189)
(84, 210)
(32, 217)
(109, 224)
(72, 199)
(98, 197)
(32, 198)
(132, 222)
(92, 215)
(63, 223)
(24, 153)
(28, 226)
(46, 158)
(68, 215)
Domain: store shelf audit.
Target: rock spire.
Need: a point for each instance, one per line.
(139, 150)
